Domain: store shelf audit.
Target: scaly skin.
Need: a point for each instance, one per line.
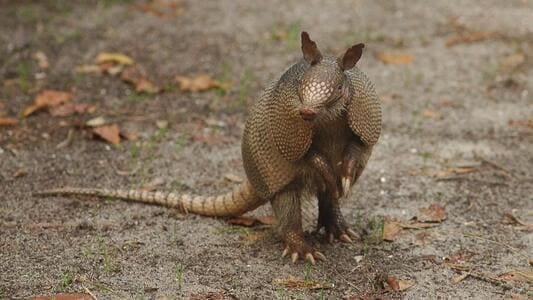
(309, 133)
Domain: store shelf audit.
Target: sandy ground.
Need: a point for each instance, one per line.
(465, 106)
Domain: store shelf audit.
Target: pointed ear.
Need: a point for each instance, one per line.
(311, 53)
(350, 58)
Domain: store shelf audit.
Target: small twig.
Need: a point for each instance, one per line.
(517, 251)
(126, 173)
(459, 178)
(67, 141)
(494, 165)
(89, 292)
(483, 277)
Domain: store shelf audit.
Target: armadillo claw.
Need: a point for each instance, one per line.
(285, 252)
(294, 257)
(309, 257)
(346, 184)
(345, 238)
(352, 233)
(320, 256)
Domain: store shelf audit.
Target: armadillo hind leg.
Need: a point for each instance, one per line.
(286, 207)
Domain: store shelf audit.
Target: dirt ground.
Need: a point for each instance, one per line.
(457, 131)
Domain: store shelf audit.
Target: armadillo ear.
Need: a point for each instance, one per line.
(351, 57)
(311, 53)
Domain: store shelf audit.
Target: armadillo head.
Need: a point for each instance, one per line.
(325, 88)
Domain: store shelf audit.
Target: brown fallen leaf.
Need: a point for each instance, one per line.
(522, 123)
(299, 283)
(517, 276)
(252, 237)
(513, 61)
(129, 135)
(198, 83)
(232, 177)
(47, 99)
(65, 296)
(162, 8)
(135, 76)
(456, 171)
(433, 213)
(511, 219)
(469, 37)
(390, 230)
(395, 284)
(430, 114)
(459, 257)
(8, 121)
(395, 58)
(246, 221)
(460, 277)
(109, 133)
(116, 58)
(20, 173)
(70, 108)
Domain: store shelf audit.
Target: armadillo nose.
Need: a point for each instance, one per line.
(307, 114)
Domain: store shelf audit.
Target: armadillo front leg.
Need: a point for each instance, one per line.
(286, 206)
(355, 157)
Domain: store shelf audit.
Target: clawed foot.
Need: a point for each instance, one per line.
(298, 248)
(335, 227)
(346, 236)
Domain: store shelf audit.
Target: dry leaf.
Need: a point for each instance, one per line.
(198, 83)
(242, 221)
(433, 213)
(456, 171)
(512, 62)
(65, 296)
(252, 237)
(459, 257)
(458, 278)
(299, 283)
(390, 230)
(522, 123)
(136, 77)
(128, 135)
(8, 121)
(469, 37)
(398, 285)
(88, 69)
(116, 58)
(109, 133)
(68, 109)
(42, 60)
(20, 173)
(518, 276)
(427, 113)
(47, 99)
(395, 59)
(232, 177)
(515, 221)
(162, 8)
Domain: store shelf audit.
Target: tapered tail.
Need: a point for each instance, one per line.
(237, 202)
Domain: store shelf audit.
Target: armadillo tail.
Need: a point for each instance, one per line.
(236, 202)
